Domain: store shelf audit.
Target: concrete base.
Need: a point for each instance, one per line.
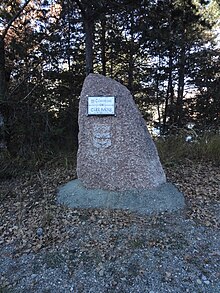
(166, 197)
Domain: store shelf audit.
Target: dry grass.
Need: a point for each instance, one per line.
(175, 149)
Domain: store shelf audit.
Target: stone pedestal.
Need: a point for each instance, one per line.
(117, 163)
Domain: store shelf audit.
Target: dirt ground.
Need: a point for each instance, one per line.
(50, 248)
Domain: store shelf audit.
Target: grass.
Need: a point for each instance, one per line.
(4, 290)
(136, 243)
(175, 149)
(172, 149)
(54, 260)
(12, 167)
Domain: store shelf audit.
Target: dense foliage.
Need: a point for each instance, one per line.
(165, 52)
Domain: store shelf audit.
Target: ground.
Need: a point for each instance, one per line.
(50, 248)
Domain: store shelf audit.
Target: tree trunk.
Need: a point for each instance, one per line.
(89, 34)
(2, 70)
(103, 45)
(181, 71)
(157, 97)
(3, 81)
(111, 62)
(89, 25)
(2, 90)
(131, 72)
(131, 57)
(181, 82)
(169, 91)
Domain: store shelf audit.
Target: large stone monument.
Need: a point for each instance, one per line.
(117, 162)
(116, 151)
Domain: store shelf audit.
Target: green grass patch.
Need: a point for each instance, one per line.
(5, 290)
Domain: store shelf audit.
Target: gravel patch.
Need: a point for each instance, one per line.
(119, 252)
(45, 247)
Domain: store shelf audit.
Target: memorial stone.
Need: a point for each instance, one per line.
(116, 151)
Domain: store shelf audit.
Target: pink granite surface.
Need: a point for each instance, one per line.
(115, 152)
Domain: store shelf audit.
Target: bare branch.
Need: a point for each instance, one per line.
(14, 18)
(29, 93)
(24, 79)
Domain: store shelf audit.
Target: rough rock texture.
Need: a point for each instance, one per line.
(165, 197)
(115, 152)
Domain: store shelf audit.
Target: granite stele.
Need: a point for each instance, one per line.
(118, 166)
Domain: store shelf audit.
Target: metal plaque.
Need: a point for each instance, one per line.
(101, 105)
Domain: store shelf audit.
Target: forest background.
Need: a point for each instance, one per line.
(166, 52)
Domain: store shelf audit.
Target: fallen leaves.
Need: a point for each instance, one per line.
(29, 203)
(200, 184)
